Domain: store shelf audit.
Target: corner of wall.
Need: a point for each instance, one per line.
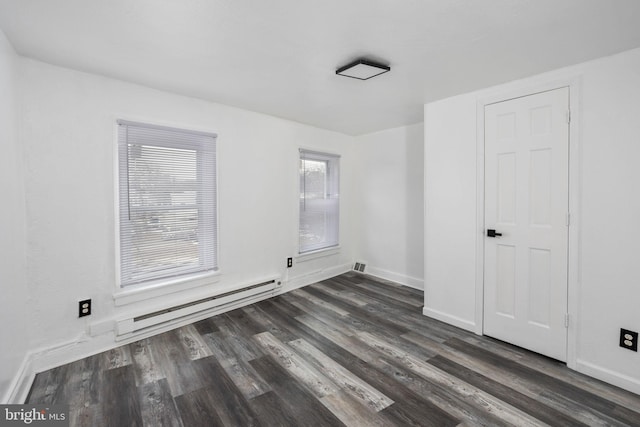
(13, 271)
(21, 384)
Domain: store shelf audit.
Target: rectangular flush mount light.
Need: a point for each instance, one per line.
(362, 69)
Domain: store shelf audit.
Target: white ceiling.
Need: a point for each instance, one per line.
(279, 56)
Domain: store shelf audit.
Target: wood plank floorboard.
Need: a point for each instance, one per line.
(157, 405)
(348, 351)
(120, 398)
(230, 404)
(518, 400)
(298, 401)
(272, 410)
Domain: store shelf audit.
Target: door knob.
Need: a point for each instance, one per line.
(492, 233)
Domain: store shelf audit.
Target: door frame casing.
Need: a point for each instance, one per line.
(573, 256)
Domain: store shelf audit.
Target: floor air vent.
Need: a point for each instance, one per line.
(359, 267)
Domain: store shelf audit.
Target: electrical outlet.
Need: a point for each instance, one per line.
(289, 262)
(84, 308)
(629, 340)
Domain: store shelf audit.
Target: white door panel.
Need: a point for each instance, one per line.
(526, 201)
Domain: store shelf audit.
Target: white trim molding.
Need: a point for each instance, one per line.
(313, 277)
(461, 323)
(21, 383)
(403, 279)
(609, 376)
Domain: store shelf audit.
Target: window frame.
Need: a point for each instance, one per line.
(331, 189)
(178, 277)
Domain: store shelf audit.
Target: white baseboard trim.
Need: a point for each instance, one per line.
(313, 277)
(465, 324)
(412, 282)
(46, 358)
(92, 342)
(21, 384)
(609, 376)
(85, 345)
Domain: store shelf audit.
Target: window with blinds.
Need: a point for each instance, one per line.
(167, 191)
(319, 200)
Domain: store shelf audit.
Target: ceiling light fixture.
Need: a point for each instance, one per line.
(362, 69)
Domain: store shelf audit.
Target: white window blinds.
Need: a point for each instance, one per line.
(168, 198)
(319, 200)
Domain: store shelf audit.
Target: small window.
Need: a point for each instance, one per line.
(167, 191)
(319, 201)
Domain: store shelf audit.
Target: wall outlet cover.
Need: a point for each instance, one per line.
(629, 339)
(84, 308)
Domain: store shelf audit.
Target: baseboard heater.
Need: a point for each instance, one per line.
(170, 315)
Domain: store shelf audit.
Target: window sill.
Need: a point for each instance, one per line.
(320, 253)
(138, 293)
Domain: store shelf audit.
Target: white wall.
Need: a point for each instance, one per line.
(13, 281)
(604, 289)
(67, 129)
(450, 210)
(67, 133)
(388, 210)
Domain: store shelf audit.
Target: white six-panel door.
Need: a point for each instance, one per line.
(526, 200)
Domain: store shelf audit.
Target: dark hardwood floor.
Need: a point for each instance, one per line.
(352, 351)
